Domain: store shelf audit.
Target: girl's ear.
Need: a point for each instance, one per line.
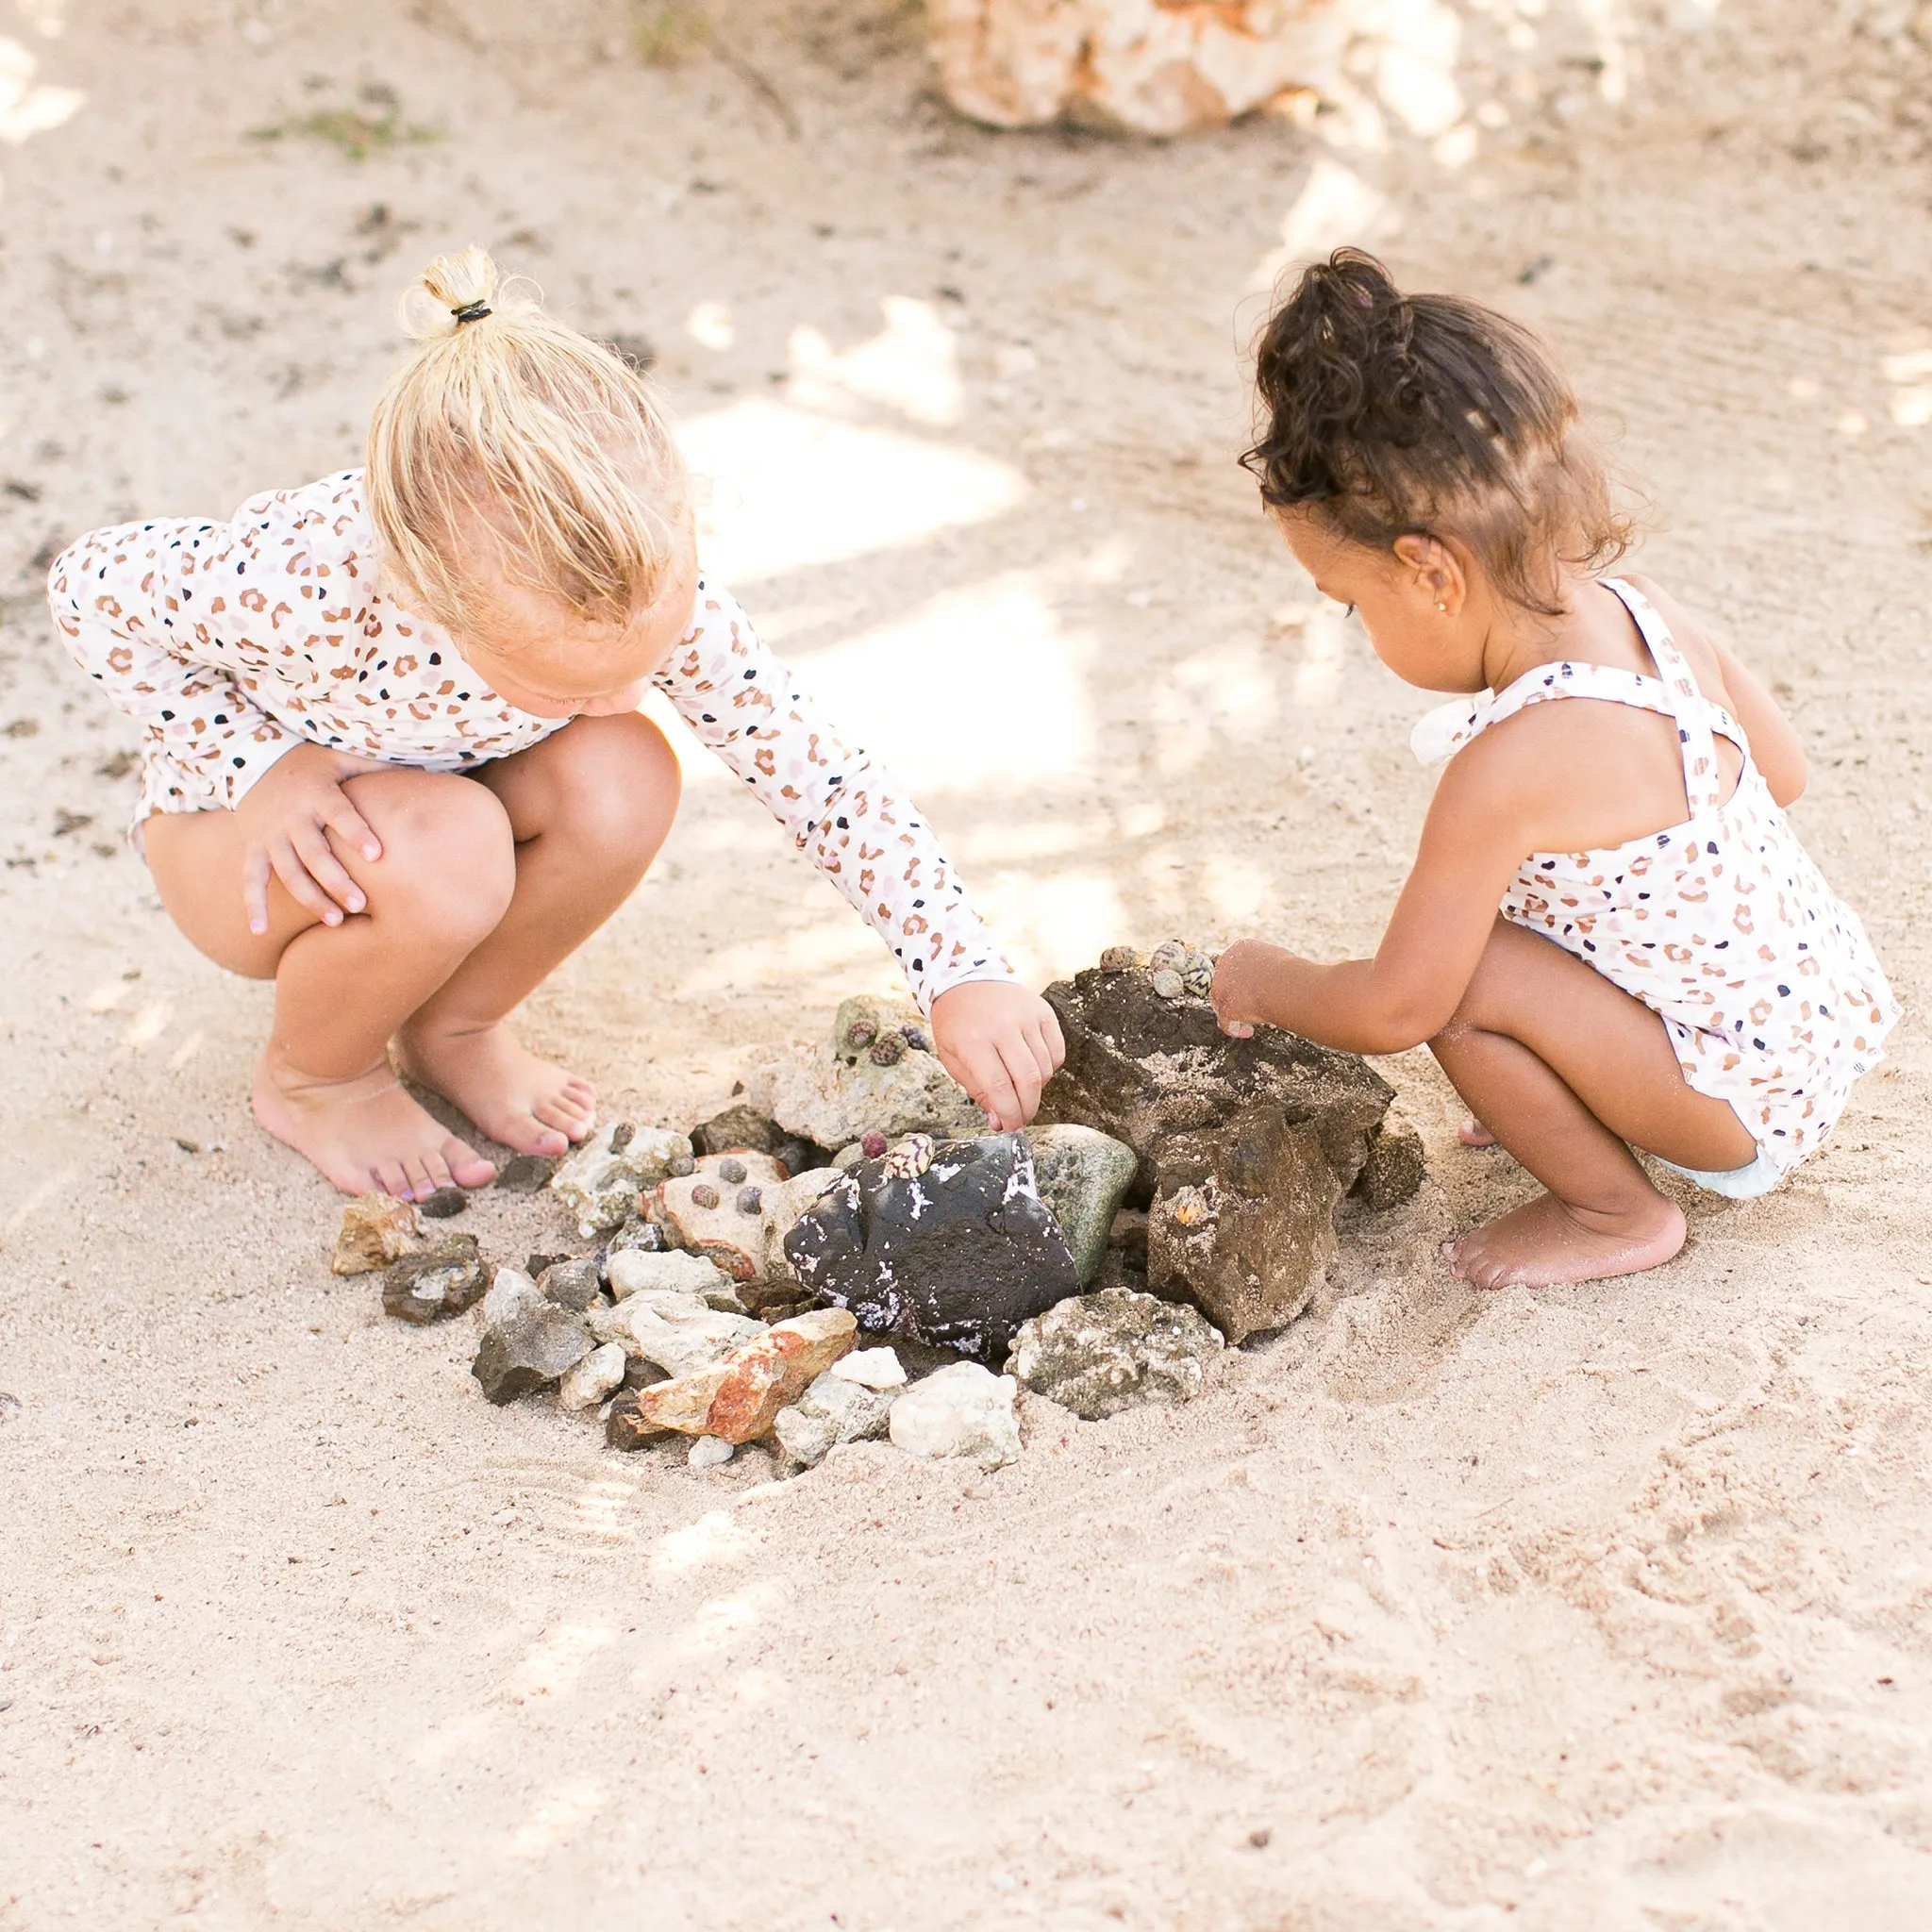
(1434, 572)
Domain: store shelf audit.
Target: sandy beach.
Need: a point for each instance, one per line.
(1606, 1607)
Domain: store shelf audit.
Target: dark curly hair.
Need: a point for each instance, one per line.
(1429, 415)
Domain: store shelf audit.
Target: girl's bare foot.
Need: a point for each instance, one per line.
(527, 1103)
(1548, 1242)
(365, 1133)
(1471, 1133)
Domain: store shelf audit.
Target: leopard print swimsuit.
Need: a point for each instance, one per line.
(1723, 925)
(233, 641)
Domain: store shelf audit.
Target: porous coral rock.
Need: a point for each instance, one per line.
(376, 1229)
(870, 1368)
(963, 1410)
(1099, 1354)
(1150, 67)
(702, 1217)
(957, 1255)
(600, 1182)
(837, 1094)
(1243, 1224)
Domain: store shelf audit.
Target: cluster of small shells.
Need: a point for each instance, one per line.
(889, 1045)
(732, 1171)
(1179, 971)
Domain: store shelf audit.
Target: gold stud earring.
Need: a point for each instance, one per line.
(1441, 605)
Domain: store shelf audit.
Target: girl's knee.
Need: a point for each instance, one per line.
(616, 787)
(448, 854)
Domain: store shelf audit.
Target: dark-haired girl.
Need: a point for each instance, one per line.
(1668, 972)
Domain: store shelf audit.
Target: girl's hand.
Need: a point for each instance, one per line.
(1002, 1043)
(289, 814)
(1241, 978)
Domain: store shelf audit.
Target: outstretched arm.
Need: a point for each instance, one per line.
(999, 1041)
(1472, 845)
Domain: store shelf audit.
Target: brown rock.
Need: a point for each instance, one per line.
(376, 1229)
(436, 1283)
(739, 1399)
(624, 1428)
(1395, 1169)
(1243, 1223)
(1142, 1068)
(700, 1211)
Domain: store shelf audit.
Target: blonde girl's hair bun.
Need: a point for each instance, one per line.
(458, 289)
(511, 447)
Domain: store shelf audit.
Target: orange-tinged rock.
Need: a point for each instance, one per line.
(684, 1402)
(376, 1229)
(739, 1399)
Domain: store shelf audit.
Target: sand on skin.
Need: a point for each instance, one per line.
(1600, 1606)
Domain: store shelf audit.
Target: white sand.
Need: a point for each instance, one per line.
(1603, 1606)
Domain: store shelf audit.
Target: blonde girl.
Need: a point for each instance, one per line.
(392, 756)
(1610, 938)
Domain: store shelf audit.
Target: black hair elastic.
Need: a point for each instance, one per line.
(470, 311)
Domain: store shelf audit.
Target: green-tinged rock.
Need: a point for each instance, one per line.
(1083, 1176)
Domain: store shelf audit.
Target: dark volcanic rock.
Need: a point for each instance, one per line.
(957, 1255)
(532, 1345)
(441, 1205)
(1395, 1167)
(624, 1428)
(742, 1128)
(436, 1283)
(1243, 1223)
(1141, 1068)
(523, 1174)
(572, 1285)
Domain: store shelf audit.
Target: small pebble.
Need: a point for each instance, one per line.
(1119, 959)
(523, 1174)
(708, 1451)
(1169, 984)
(682, 1166)
(916, 1040)
(750, 1200)
(443, 1203)
(705, 1194)
(731, 1170)
(1261, 1838)
(534, 1265)
(9, 1407)
(622, 1134)
(873, 1146)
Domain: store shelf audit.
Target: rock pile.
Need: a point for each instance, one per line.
(1242, 1146)
(843, 1254)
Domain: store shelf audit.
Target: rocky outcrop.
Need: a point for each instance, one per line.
(1143, 1068)
(1244, 1221)
(1153, 67)
(1099, 1354)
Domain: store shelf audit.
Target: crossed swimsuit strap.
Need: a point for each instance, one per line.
(1673, 693)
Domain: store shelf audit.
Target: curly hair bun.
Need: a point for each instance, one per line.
(1428, 414)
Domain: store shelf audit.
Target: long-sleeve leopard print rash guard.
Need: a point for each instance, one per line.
(233, 641)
